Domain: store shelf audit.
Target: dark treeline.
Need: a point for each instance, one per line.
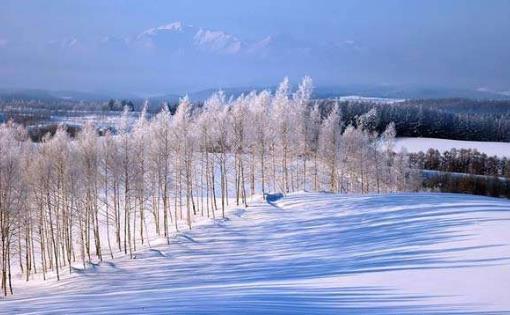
(496, 108)
(466, 161)
(463, 171)
(457, 119)
(45, 107)
(37, 133)
(468, 184)
(64, 105)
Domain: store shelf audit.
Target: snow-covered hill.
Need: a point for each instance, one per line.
(307, 253)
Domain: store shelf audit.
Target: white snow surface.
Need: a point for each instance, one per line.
(370, 99)
(414, 145)
(307, 253)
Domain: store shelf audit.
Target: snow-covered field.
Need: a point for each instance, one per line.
(307, 253)
(413, 145)
(370, 99)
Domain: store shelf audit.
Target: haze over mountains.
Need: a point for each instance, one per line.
(160, 47)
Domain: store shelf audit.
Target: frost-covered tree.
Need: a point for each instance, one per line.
(282, 116)
(305, 124)
(161, 148)
(11, 209)
(330, 146)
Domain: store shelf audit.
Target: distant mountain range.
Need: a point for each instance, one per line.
(389, 92)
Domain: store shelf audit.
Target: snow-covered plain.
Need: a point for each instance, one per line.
(307, 253)
(414, 145)
(369, 99)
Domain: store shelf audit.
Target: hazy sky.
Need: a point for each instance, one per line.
(174, 46)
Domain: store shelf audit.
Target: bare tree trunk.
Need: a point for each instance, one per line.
(223, 192)
(54, 243)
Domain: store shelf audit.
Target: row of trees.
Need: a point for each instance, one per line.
(461, 119)
(79, 200)
(468, 161)
(467, 184)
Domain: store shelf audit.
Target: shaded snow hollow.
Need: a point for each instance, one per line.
(308, 253)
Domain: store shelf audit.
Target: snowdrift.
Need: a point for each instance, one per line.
(308, 253)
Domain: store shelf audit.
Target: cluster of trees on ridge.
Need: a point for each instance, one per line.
(68, 200)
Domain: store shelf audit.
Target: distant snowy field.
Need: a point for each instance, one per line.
(413, 145)
(307, 253)
(370, 99)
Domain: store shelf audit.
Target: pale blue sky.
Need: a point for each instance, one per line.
(95, 45)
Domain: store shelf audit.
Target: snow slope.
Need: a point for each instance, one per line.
(414, 145)
(308, 253)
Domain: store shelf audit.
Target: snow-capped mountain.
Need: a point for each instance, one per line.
(183, 37)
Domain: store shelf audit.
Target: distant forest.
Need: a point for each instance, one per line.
(461, 161)
(463, 171)
(468, 184)
(457, 119)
